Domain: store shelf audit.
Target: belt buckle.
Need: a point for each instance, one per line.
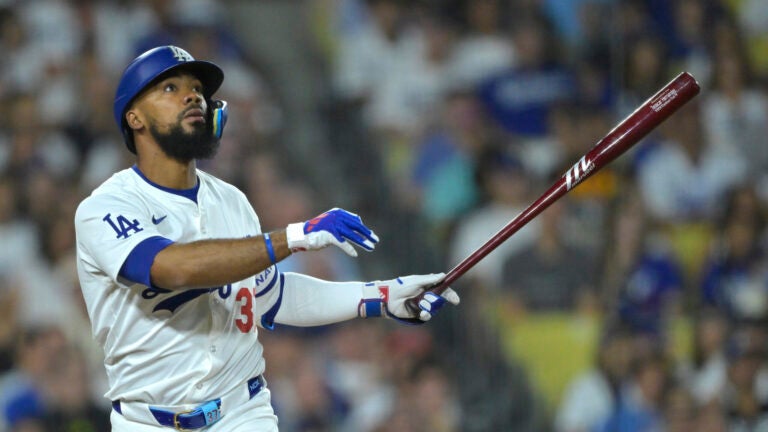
(176, 424)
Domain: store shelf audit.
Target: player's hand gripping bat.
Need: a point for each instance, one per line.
(626, 134)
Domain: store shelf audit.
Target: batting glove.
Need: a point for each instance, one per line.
(387, 298)
(335, 227)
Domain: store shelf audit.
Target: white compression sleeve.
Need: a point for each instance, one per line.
(308, 301)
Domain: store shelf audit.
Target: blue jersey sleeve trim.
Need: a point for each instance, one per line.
(268, 319)
(137, 265)
(270, 285)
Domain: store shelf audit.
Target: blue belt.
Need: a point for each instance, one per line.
(204, 415)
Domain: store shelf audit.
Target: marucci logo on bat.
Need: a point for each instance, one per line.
(578, 172)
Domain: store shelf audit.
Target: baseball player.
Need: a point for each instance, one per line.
(178, 276)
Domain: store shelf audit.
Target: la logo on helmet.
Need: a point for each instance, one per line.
(180, 54)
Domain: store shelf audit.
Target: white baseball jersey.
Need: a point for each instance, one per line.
(170, 347)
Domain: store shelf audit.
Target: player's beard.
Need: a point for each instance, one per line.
(186, 146)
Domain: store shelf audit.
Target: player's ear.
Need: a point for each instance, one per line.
(133, 120)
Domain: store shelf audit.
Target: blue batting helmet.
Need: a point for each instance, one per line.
(147, 67)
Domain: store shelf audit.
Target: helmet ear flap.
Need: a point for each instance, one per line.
(219, 117)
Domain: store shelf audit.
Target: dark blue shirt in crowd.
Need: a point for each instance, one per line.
(654, 281)
(724, 277)
(520, 99)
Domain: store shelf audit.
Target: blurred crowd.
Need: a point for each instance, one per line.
(638, 302)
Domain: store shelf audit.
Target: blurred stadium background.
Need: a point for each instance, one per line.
(636, 303)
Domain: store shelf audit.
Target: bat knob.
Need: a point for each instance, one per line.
(412, 304)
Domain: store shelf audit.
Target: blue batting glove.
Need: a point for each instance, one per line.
(336, 227)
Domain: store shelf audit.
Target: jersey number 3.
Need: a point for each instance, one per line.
(245, 322)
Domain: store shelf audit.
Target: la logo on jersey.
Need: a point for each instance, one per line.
(123, 228)
(180, 54)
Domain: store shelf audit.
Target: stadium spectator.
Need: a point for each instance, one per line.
(23, 388)
(367, 56)
(9, 298)
(685, 178)
(519, 99)
(705, 373)
(441, 185)
(734, 112)
(407, 97)
(692, 21)
(593, 396)
(551, 275)
(641, 279)
(644, 70)
(640, 404)
(69, 403)
(711, 418)
(504, 184)
(679, 409)
(733, 278)
(20, 236)
(745, 395)
(752, 17)
(483, 47)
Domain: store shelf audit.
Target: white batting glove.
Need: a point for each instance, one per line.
(387, 298)
(336, 227)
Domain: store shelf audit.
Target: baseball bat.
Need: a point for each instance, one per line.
(627, 133)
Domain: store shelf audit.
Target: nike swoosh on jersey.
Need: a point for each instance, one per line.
(158, 220)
